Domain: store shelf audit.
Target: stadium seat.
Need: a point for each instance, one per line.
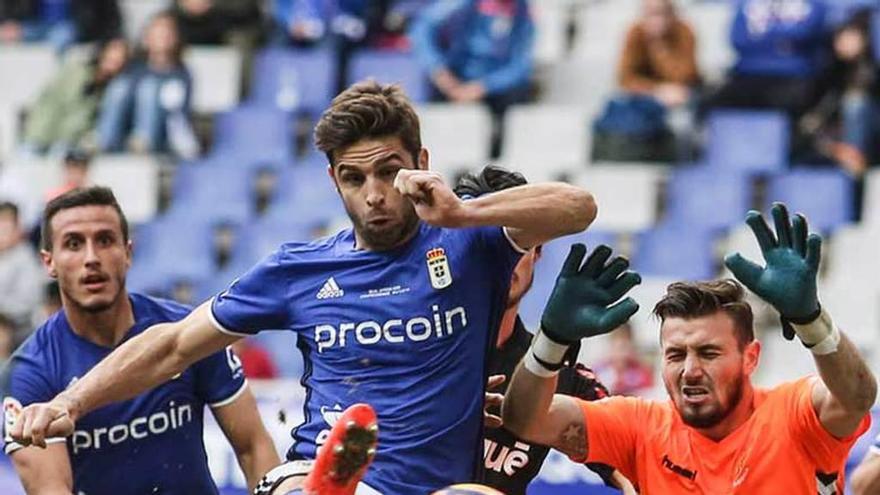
(171, 250)
(209, 192)
(457, 136)
(294, 80)
(550, 32)
(679, 251)
(646, 328)
(627, 195)
(871, 200)
(26, 69)
(825, 196)
(254, 136)
(135, 181)
(391, 67)
(544, 141)
(136, 14)
(711, 21)
(306, 196)
(216, 73)
(747, 141)
(850, 257)
(547, 268)
(703, 197)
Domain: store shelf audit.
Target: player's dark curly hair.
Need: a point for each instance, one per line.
(492, 178)
(692, 300)
(85, 196)
(368, 110)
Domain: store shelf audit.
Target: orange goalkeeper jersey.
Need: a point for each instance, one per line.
(782, 448)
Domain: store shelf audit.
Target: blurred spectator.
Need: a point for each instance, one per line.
(151, 99)
(301, 22)
(845, 124)
(21, 276)
(65, 111)
(59, 22)
(623, 371)
(478, 50)
(265, 187)
(214, 22)
(8, 339)
(255, 361)
(51, 302)
(224, 237)
(76, 173)
(781, 48)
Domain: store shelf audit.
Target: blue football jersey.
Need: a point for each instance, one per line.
(406, 331)
(150, 444)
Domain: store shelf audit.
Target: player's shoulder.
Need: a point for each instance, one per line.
(157, 309)
(297, 250)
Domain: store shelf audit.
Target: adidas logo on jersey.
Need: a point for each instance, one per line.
(330, 290)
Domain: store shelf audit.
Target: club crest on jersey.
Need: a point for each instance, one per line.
(438, 268)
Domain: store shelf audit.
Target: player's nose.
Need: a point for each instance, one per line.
(375, 193)
(692, 369)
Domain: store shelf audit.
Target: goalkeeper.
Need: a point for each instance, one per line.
(717, 433)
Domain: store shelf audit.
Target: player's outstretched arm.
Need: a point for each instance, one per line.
(254, 448)
(865, 480)
(584, 303)
(788, 282)
(44, 471)
(150, 359)
(533, 213)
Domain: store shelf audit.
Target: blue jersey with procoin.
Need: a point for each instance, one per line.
(149, 444)
(406, 331)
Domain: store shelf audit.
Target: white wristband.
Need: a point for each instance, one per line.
(547, 350)
(820, 335)
(536, 367)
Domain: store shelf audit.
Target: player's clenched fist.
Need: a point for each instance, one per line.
(43, 420)
(434, 201)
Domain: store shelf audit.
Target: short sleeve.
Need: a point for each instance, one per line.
(612, 432)
(256, 301)
(826, 451)
(220, 378)
(501, 247)
(25, 384)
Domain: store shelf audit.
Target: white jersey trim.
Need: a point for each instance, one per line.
(13, 446)
(219, 326)
(516, 247)
(229, 400)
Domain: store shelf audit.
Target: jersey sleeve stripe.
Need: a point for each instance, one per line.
(516, 247)
(13, 446)
(219, 326)
(231, 398)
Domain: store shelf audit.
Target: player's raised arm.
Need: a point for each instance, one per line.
(847, 388)
(533, 213)
(583, 304)
(143, 362)
(44, 471)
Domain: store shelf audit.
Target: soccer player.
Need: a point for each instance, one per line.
(717, 433)
(398, 312)
(151, 443)
(510, 463)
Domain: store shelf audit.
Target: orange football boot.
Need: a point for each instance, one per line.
(344, 458)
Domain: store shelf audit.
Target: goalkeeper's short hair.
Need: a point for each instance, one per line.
(492, 178)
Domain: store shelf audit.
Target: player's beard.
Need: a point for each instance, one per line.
(712, 418)
(388, 236)
(97, 306)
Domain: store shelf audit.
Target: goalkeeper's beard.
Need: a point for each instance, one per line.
(715, 412)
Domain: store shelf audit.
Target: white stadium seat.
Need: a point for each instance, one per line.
(457, 136)
(542, 141)
(216, 73)
(134, 180)
(627, 195)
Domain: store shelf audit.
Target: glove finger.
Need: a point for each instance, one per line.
(596, 261)
(799, 234)
(573, 262)
(762, 232)
(783, 224)
(618, 314)
(617, 266)
(814, 251)
(623, 285)
(744, 270)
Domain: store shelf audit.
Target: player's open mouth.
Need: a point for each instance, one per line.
(695, 394)
(95, 282)
(379, 221)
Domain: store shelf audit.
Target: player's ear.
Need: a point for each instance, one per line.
(331, 171)
(48, 263)
(424, 159)
(129, 253)
(751, 356)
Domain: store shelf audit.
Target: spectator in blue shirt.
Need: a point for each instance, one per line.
(59, 22)
(781, 49)
(301, 22)
(477, 50)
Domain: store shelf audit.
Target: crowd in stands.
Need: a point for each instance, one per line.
(118, 91)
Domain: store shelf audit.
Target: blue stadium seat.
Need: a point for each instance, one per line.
(391, 67)
(173, 250)
(825, 196)
(703, 197)
(252, 135)
(212, 193)
(306, 196)
(748, 141)
(676, 251)
(553, 254)
(294, 80)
